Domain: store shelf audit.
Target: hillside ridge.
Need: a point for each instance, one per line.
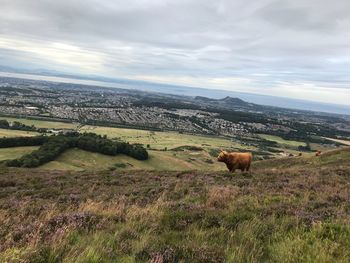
(291, 213)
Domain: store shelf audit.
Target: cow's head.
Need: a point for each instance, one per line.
(222, 156)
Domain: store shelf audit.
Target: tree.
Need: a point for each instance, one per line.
(52, 146)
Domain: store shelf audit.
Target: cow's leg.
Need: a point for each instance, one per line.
(242, 167)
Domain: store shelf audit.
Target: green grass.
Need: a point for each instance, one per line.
(187, 158)
(76, 159)
(281, 141)
(15, 152)
(308, 160)
(15, 133)
(159, 160)
(160, 140)
(287, 213)
(157, 140)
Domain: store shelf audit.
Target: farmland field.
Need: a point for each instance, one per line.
(165, 150)
(15, 152)
(15, 133)
(157, 140)
(160, 140)
(281, 141)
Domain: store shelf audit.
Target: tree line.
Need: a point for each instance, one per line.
(22, 141)
(52, 146)
(4, 124)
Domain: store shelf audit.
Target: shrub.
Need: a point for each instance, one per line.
(22, 141)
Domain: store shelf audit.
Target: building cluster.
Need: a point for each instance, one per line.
(91, 106)
(87, 104)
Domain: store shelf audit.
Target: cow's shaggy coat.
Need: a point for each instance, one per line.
(235, 160)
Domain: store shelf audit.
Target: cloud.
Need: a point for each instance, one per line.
(228, 44)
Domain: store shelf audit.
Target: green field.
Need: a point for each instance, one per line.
(160, 140)
(15, 133)
(157, 140)
(76, 159)
(281, 141)
(170, 159)
(79, 160)
(15, 152)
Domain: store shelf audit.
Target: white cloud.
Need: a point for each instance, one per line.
(227, 44)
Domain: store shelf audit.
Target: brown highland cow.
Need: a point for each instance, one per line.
(235, 160)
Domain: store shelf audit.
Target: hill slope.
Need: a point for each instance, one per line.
(290, 210)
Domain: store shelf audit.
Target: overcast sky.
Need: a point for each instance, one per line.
(290, 48)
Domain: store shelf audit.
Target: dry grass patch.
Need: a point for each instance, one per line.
(221, 196)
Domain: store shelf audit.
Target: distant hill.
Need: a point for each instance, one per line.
(176, 90)
(225, 103)
(229, 99)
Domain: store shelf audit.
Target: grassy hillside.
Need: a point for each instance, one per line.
(179, 155)
(290, 210)
(79, 160)
(182, 158)
(339, 157)
(76, 159)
